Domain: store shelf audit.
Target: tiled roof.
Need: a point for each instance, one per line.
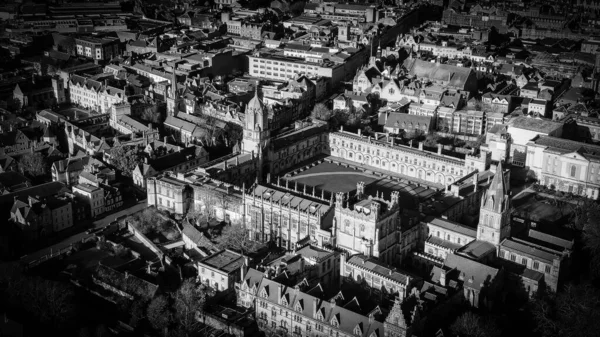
(406, 121)
(534, 124)
(224, 260)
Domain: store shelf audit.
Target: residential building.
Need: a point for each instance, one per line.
(498, 141)
(222, 270)
(93, 196)
(169, 192)
(398, 123)
(103, 49)
(182, 160)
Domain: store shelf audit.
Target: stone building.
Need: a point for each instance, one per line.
(367, 225)
(381, 152)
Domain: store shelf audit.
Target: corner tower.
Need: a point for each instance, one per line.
(494, 217)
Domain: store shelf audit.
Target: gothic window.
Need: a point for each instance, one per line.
(548, 269)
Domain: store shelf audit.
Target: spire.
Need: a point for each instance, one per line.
(174, 83)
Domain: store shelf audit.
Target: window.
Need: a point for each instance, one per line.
(524, 261)
(536, 265)
(513, 257)
(573, 170)
(548, 269)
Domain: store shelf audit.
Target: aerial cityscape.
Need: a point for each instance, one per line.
(301, 168)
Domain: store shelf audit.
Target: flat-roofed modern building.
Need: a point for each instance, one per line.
(221, 270)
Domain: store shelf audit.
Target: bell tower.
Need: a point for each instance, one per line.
(256, 130)
(172, 96)
(494, 217)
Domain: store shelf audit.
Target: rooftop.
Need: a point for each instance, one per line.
(225, 260)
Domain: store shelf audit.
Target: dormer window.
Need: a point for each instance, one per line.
(358, 330)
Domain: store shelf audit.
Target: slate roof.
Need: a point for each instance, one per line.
(563, 146)
(440, 72)
(534, 251)
(405, 121)
(311, 306)
(378, 268)
(473, 274)
(197, 237)
(534, 124)
(454, 227)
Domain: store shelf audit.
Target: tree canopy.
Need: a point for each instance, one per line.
(235, 237)
(33, 164)
(126, 159)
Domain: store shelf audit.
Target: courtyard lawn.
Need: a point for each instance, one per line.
(335, 181)
(333, 178)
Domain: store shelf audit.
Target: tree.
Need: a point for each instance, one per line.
(470, 324)
(32, 164)
(235, 237)
(188, 301)
(158, 314)
(574, 312)
(126, 159)
(321, 112)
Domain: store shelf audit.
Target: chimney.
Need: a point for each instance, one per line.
(314, 307)
(475, 181)
(420, 146)
(165, 139)
(126, 274)
(410, 143)
(439, 148)
(359, 132)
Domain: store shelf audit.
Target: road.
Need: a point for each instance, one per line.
(100, 223)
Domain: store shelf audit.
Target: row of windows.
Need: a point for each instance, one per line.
(535, 265)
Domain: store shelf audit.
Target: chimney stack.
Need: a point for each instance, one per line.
(439, 146)
(475, 181)
(443, 277)
(420, 146)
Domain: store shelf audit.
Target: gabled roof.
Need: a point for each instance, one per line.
(472, 273)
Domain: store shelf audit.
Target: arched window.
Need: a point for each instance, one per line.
(573, 170)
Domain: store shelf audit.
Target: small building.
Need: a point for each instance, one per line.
(93, 196)
(221, 270)
(400, 122)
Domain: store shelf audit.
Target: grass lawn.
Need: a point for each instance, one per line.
(332, 177)
(344, 182)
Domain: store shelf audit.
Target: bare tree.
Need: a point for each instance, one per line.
(574, 312)
(158, 314)
(235, 237)
(188, 300)
(470, 324)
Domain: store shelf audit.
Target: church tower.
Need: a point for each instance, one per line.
(256, 129)
(494, 217)
(172, 96)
